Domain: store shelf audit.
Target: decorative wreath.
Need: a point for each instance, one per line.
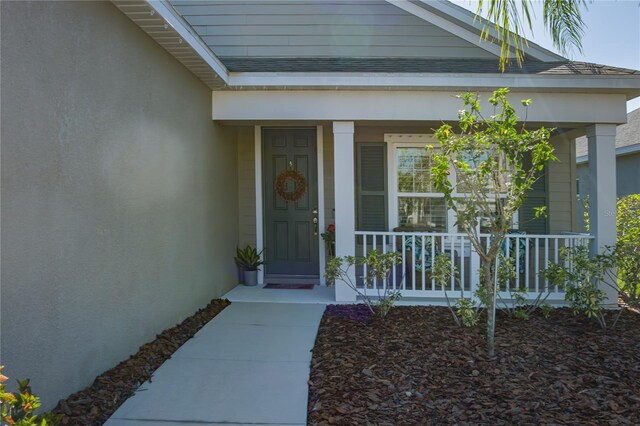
(300, 185)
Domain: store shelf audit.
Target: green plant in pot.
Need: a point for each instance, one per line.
(249, 260)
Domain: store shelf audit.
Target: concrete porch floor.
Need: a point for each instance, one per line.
(319, 294)
(249, 365)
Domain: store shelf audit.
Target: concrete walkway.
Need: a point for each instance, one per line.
(249, 365)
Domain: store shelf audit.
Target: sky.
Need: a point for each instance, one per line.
(612, 35)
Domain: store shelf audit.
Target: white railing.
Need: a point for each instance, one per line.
(531, 255)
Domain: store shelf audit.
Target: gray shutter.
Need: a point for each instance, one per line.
(371, 187)
(536, 197)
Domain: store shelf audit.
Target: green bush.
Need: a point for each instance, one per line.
(627, 249)
(18, 409)
(378, 267)
(581, 276)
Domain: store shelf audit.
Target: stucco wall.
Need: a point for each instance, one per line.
(119, 205)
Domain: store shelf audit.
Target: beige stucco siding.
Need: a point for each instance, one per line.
(119, 205)
(561, 187)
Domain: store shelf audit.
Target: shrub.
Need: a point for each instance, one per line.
(627, 249)
(625, 254)
(18, 409)
(378, 267)
(580, 275)
(466, 312)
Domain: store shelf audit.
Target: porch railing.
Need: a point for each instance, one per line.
(530, 253)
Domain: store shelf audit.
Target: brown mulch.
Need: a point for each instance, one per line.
(95, 404)
(418, 367)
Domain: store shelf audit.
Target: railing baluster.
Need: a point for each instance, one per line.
(433, 259)
(365, 271)
(526, 264)
(537, 264)
(508, 256)
(517, 263)
(462, 257)
(546, 263)
(556, 259)
(423, 282)
(451, 256)
(403, 284)
(385, 280)
(413, 262)
(395, 275)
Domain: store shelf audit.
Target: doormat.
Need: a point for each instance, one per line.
(291, 286)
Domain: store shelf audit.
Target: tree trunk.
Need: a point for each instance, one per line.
(487, 277)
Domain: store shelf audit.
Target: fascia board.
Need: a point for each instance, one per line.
(465, 18)
(623, 150)
(628, 84)
(173, 18)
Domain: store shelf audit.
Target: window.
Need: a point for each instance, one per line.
(415, 203)
(419, 205)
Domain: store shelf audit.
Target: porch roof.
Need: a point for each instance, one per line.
(418, 65)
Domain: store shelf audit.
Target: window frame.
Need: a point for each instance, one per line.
(395, 141)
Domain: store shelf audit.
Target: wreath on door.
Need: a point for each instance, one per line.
(299, 185)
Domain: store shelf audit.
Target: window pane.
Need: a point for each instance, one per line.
(414, 170)
(489, 184)
(429, 214)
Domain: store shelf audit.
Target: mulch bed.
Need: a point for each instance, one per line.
(95, 404)
(418, 367)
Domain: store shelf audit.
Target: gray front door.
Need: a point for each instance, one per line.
(291, 233)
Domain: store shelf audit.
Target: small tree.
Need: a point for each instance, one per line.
(377, 268)
(491, 176)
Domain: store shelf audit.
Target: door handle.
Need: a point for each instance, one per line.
(315, 221)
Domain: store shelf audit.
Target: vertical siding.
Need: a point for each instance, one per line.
(561, 187)
(246, 187)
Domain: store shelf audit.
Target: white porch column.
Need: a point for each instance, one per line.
(602, 197)
(343, 164)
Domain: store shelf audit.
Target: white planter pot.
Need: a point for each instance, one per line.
(250, 278)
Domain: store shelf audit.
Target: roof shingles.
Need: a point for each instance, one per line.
(416, 65)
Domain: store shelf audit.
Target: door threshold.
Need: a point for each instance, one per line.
(291, 279)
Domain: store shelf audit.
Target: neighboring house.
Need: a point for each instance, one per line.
(627, 164)
(142, 141)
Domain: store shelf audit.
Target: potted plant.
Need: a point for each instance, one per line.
(329, 238)
(249, 260)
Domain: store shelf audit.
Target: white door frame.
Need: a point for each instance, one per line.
(260, 198)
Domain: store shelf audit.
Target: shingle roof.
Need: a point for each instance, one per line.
(626, 135)
(415, 65)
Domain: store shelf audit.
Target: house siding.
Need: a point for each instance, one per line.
(119, 206)
(627, 182)
(246, 187)
(561, 188)
(344, 28)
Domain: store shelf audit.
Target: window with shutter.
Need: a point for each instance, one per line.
(371, 188)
